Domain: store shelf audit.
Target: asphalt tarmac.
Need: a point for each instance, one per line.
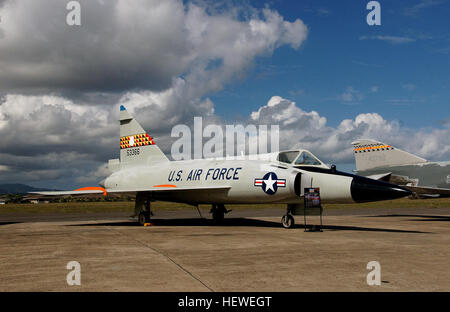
(250, 251)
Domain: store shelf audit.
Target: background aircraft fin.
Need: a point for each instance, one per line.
(373, 154)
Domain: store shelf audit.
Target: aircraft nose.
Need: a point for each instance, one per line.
(102, 183)
(365, 190)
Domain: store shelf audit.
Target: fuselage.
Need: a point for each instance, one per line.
(242, 181)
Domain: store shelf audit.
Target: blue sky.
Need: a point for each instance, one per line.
(399, 69)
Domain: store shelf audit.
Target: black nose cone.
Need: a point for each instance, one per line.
(366, 190)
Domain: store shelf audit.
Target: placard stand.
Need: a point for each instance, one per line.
(312, 207)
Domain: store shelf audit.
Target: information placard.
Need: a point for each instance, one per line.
(312, 207)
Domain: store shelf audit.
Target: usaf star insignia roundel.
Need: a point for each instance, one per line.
(270, 183)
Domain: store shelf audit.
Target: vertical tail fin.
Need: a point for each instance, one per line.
(136, 146)
(372, 154)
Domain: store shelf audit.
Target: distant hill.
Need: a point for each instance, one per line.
(19, 189)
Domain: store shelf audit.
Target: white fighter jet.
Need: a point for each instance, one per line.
(145, 171)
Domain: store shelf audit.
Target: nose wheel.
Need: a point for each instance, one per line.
(287, 221)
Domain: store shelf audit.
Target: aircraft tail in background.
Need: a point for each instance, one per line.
(371, 154)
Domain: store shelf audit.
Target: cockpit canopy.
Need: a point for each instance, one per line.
(299, 158)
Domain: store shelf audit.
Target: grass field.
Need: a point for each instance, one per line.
(93, 207)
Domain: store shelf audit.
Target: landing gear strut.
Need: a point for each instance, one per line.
(218, 212)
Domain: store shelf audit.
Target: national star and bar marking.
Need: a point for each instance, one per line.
(270, 183)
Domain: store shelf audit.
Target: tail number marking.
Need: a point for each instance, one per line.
(133, 151)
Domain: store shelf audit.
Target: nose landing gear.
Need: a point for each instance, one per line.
(287, 221)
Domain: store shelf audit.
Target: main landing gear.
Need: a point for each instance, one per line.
(142, 209)
(218, 212)
(144, 217)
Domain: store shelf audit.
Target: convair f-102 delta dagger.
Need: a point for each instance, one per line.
(144, 170)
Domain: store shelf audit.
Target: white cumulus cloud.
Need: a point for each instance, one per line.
(61, 85)
(302, 129)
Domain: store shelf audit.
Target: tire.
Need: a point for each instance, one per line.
(143, 218)
(287, 221)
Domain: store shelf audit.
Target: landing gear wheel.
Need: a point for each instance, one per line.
(287, 221)
(144, 217)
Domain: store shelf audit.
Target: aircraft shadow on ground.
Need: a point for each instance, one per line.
(422, 217)
(240, 222)
(6, 223)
